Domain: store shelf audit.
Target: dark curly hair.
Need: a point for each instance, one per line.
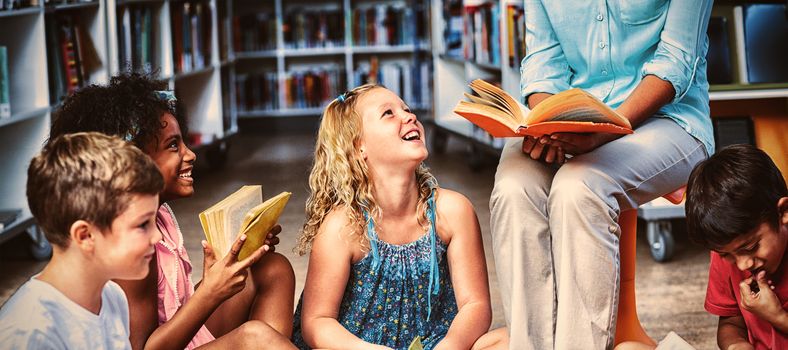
(730, 194)
(128, 107)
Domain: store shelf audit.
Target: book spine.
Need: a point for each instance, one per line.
(741, 51)
(5, 98)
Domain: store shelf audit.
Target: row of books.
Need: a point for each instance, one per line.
(254, 32)
(5, 81)
(389, 24)
(313, 27)
(453, 28)
(411, 80)
(191, 35)
(756, 52)
(17, 4)
(299, 88)
(137, 33)
(71, 54)
(515, 27)
(482, 34)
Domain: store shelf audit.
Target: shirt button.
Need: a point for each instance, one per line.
(612, 228)
(602, 44)
(599, 17)
(604, 72)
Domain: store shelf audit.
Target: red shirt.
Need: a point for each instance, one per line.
(723, 298)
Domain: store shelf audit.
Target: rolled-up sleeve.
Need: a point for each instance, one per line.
(681, 45)
(544, 68)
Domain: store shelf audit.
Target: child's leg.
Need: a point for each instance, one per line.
(496, 339)
(251, 335)
(268, 297)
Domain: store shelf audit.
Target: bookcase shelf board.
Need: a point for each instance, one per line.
(21, 12)
(38, 112)
(73, 6)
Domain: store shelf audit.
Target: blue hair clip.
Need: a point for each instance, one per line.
(341, 98)
(168, 96)
(131, 133)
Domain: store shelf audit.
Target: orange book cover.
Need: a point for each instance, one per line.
(572, 110)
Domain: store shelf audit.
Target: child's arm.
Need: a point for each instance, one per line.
(222, 280)
(732, 334)
(468, 270)
(763, 303)
(327, 275)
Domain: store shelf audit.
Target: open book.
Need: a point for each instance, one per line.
(242, 212)
(572, 110)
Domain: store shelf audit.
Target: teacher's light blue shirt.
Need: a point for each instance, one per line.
(607, 47)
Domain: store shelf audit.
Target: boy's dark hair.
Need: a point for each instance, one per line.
(128, 107)
(86, 176)
(730, 194)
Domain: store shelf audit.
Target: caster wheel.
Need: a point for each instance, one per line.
(438, 141)
(660, 240)
(40, 248)
(217, 154)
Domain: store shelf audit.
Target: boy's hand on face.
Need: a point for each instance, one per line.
(764, 303)
(272, 239)
(224, 278)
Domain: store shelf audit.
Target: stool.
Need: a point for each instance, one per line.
(628, 327)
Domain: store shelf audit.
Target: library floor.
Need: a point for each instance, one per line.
(669, 295)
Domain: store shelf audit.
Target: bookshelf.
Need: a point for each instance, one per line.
(55, 47)
(36, 38)
(472, 41)
(456, 39)
(290, 58)
(182, 40)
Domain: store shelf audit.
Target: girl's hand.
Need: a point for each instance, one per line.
(541, 149)
(224, 278)
(764, 303)
(272, 239)
(577, 143)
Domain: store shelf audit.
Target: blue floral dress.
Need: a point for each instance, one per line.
(397, 292)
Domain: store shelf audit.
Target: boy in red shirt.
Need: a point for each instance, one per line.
(737, 206)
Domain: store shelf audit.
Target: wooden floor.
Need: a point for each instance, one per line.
(670, 295)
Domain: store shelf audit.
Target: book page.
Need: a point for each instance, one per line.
(575, 105)
(491, 91)
(235, 213)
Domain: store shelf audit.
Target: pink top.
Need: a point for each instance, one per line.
(175, 269)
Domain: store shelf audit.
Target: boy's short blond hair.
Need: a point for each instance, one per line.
(86, 176)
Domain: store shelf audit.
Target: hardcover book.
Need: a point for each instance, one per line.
(572, 110)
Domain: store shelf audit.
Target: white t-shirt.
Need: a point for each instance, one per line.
(38, 316)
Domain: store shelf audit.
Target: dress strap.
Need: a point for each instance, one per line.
(373, 241)
(434, 286)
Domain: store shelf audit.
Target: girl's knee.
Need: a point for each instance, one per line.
(274, 267)
(258, 334)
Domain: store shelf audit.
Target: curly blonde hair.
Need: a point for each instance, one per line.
(340, 177)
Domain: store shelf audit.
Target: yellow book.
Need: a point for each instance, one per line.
(242, 212)
(416, 344)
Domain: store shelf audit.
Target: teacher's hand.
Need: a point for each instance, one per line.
(541, 149)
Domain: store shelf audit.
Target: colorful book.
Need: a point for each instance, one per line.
(5, 98)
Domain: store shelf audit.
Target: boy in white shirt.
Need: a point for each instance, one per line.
(95, 197)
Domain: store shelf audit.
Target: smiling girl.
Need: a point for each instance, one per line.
(393, 256)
